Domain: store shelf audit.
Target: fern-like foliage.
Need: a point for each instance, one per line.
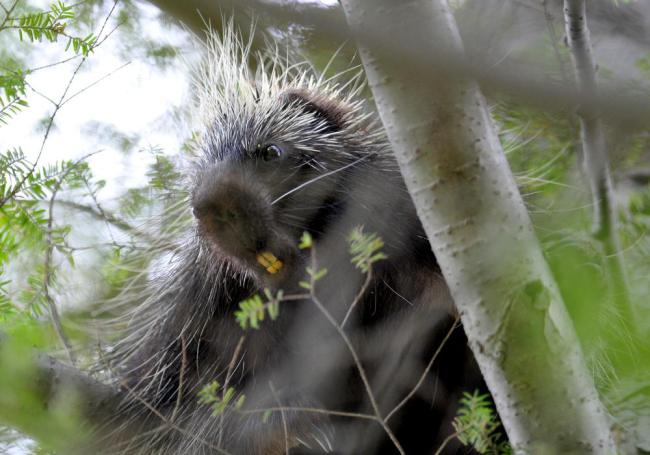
(253, 310)
(12, 95)
(478, 425)
(365, 249)
(209, 395)
(50, 25)
(7, 308)
(25, 220)
(9, 108)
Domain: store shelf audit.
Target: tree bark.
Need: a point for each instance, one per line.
(480, 231)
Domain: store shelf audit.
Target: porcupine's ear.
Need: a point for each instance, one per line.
(332, 111)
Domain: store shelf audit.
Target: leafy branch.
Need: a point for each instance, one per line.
(477, 425)
(209, 395)
(10, 108)
(365, 249)
(49, 25)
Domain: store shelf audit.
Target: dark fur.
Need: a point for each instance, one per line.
(299, 359)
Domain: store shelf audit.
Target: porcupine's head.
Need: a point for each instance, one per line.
(276, 145)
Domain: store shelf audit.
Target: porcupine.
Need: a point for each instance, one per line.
(284, 151)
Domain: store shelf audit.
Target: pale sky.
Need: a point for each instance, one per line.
(132, 100)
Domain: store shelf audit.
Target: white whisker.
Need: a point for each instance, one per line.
(327, 174)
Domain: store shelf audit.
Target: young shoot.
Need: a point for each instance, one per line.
(253, 310)
(365, 249)
(209, 395)
(477, 425)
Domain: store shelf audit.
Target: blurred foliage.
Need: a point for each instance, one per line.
(477, 425)
(22, 400)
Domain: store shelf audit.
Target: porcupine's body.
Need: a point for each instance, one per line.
(283, 153)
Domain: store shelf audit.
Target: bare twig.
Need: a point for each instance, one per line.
(181, 378)
(47, 263)
(358, 297)
(8, 12)
(424, 374)
(550, 25)
(447, 440)
(50, 65)
(171, 424)
(103, 215)
(92, 84)
(226, 382)
(283, 417)
(352, 415)
(50, 122)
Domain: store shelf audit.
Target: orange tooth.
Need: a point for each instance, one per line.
(269, 262)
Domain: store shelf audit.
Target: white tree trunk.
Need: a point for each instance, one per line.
(478, 226)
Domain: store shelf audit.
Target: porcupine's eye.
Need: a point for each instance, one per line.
(271, 152)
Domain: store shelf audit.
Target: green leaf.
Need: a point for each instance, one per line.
(240, 402)
(306, 241)
(365, 249)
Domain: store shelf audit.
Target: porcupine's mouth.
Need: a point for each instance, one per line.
(275, 257)
(269, 259)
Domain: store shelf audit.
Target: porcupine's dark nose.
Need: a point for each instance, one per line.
(231, 214)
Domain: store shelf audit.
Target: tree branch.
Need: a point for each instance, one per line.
(325, 30)
(457, 174)
(594, 153)
(49, 384)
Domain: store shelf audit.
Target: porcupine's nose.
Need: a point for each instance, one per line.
(231, 214)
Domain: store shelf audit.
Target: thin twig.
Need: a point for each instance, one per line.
(103, 215)
(8, 13)
(9, 105)
(352, 415)
(447, 440)
(60, 62)
(181, 378)
(47, 263)
(425, 372)
(92, 84)
(37, 28)
(282, 417)
(554, 40)
(358, 297)
(226, 382)
(48, 129)
(39, 93)
(170, 424)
